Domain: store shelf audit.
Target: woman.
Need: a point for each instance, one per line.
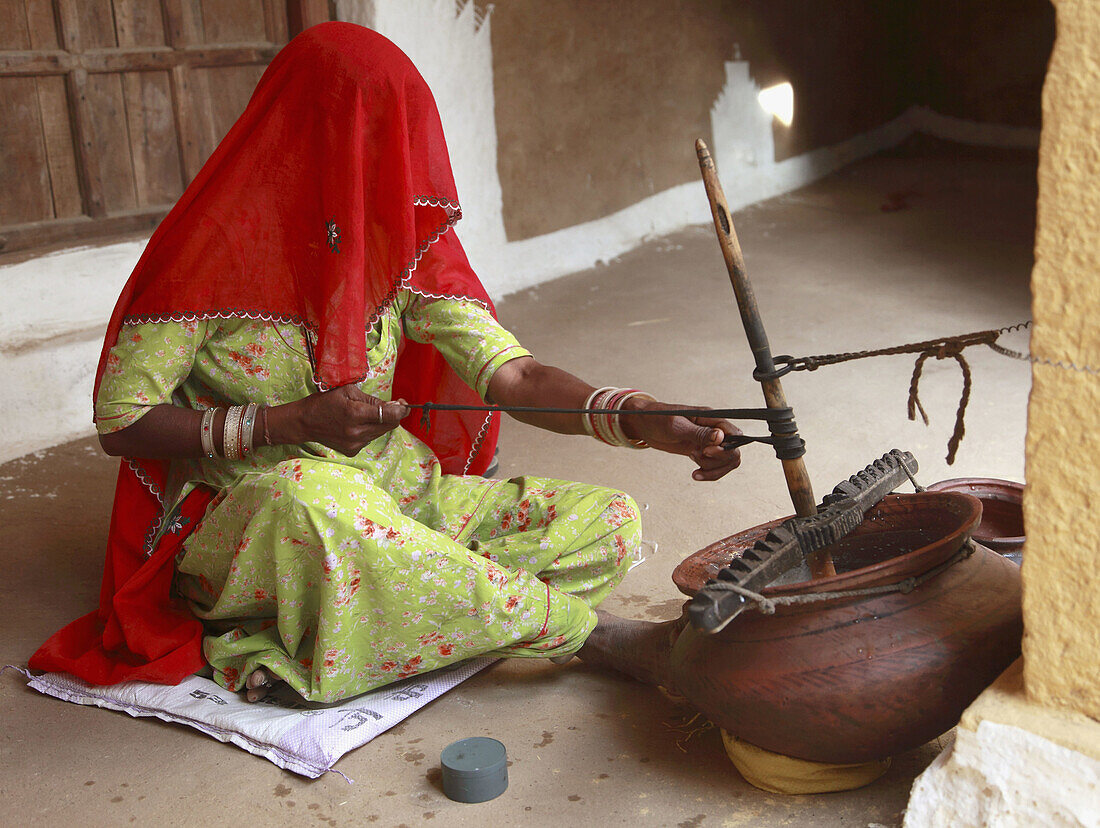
(288, 520)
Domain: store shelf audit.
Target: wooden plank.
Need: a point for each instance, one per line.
(139, 23)
(233, 21)
(275, 21)
(97, 24)
(229, 55)
(13, 32)
(87, 162)
(191, 23)
(24, 183)
(182, 22)
(60, 152)
(182, 27)
(153, 142)
(162, 57)
(27, 64)
(301, 14)
(188, 128)
(68, 25)
(42, 25)
(235, 85)
(173, 22)
(148, 59)
(201, 136)
(65, 231)
(110, 142)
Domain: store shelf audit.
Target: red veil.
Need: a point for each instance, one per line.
(332, 191)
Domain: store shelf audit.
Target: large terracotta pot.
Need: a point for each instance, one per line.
(856, 679)
(1002, 526)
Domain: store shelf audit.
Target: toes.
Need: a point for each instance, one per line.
(258, 678)
(257, 684)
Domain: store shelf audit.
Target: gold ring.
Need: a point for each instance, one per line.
(379, 412)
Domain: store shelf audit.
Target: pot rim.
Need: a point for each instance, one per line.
(915, 562)
(997, 488)
(966, 508)
(1002, 491)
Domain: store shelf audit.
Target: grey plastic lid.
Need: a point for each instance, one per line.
(474, 769)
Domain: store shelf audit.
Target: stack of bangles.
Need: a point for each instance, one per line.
(606, 427)
(238, 436)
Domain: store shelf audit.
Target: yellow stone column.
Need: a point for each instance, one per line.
(1027, 752)
(1061, 572)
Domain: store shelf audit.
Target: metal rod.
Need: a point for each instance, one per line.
(798, 480)
(773, 416)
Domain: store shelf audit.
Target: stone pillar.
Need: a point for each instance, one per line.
(1062, 573)
(1027, 752)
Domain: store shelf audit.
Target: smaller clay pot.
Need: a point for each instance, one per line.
(1002, 526)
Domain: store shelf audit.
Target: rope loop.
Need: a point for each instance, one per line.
(763, 603)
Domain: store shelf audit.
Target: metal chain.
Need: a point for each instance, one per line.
(1034, 360)
(1008, 352)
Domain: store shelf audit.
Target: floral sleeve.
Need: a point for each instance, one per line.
(467, 335)
(144, 367)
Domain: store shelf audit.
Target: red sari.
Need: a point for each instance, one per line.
(330, 193)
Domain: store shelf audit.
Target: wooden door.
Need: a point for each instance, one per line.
(109, 107)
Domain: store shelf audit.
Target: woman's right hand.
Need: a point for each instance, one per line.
(344, 419)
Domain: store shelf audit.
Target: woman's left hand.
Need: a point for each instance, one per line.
(699, 438)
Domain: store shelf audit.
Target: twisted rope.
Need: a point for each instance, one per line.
(948, 347)
(960, 415)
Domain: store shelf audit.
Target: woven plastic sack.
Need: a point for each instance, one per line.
(304, 738)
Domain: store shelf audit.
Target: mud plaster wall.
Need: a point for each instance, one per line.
(1062, 565)
(979, 60)
(598, 103)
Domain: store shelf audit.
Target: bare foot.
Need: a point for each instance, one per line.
(258, 684)
(641, 649)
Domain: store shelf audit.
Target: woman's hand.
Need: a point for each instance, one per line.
(344, 419)
(700, 438)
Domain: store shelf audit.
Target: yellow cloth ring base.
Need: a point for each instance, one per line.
(776, 773)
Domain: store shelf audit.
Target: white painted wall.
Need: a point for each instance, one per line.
(53, 316)
(55, 308)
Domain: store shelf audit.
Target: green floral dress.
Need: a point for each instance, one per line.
(340, 574)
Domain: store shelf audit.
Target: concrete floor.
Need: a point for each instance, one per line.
(833, 271)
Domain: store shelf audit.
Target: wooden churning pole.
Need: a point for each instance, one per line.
(798, 481)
